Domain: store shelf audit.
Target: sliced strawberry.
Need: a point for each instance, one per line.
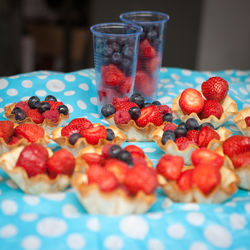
(111, 75)
(93, 135)
(153, 64)
(106, 94)
(164, 109)
(14, 140)
(211, 107)
(138, 160)
(241, 159)
(35, 115)
(207, 134)
(71, 129)
(135, 151)
(23, 105)
(146, 50)
(183, 142)
(125, 106)
(85, 123)
(184, 181)
(247, 120)
(170, 126)
(117, 100)
(125, 87)
(6, 130)
(170, 166)
(54, 105)
(144, 83)
(193, 135)
(92, 158)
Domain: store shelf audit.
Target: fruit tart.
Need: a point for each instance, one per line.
(14, 135)
(183, 139)
(211, 178)
(48, 114)
(212, 105)
(135, 117)
(242, 121)
(36, 169)
(115, 181)
(80, 133)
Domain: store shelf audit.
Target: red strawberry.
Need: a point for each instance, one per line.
(183, 142)
(122, 117)
(52, 115)
(125, 87)
(146, 50)
(206, 178)
(170, 126)
(33, 158)
(144, 83)
(54, 105)
(14, 140)
(184, 182)
(92, 158)
(6, 130)
(112, 75)
(35, 115)
(164, 109)
(247, 120)
(149, 114)
(215, 88)
(206, 135)
(125, 106)
(141, 178)
(191, 101)
(83, 122)
(105, 179)
(105, 150)
(135, 151)
(93, 135)
(71, 129)
(106, 94)
(211, 107)
(203, 156)
(170, 166)
(241, 159)
(117, 100)
(23, 105)
(236, 144)
(153, 64)
(193, 135)
(31, 132)
(138, 160)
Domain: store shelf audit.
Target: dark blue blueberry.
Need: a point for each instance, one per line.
(73, 138)
(63, 109)
(157, 103)
(182, 125)
(167, 135)
(107, 51)
(125, 156)
(126, 66)
(117, 58)
(110, 134)
(191, 123)
(107, 110)
(128, 51)
(14, 110)
(152, 35)
(34, 102)
(168, 117)
(44, 107)
(116, 47)
(206, 124)
(134, 112)
(20, 115)
(138, 99)
(114, 150)
(180, 132)
(50, 98)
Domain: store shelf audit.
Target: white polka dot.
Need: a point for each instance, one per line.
(32, 200)
(195, 219)
(55, 85)
(8, 231)
(27, 83)
(154, 216)
(25, 98)
(248, 86)
(230, 204)
(42, 76)
(51, 227)
(175, 76)
(3, 83)
(70, 211)
(246, 105)
(82, 74)
(1, 99)
(81, 104)
(190, 85)
(186, 72)
(190, 206)
(70, 78)
(165, 99)
(104, 121)
(95, 115)
(149, 150)
(14, 77)
(134, 226)
(167, 203)
(84, 86)
(229, 72)
(218, 236)
(247, 79)
(155, 244)
(163, 70)
(176, 231)
(1, 110)
(237, 221)
(41, 93)
(240, 73)
(75, 241)
(113, 242)
(165, 80)
(198, 246)
(199, 80)
(31, 242)
(243, 91)
(70, 108)
(235, 79)
(160, 93)
(93, 100)
(28, 217)
(69, 93)
(93, 224)
(218, 210)
(12, 92)
(9, 207)
(54, 196)
(11, 184)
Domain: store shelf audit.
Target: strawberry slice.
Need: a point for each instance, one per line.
(111, 75)
(183, 142)
(93, 135)
(117, 100)
(35, 115)
(170, 126)
(6, 130)
(85, 123)
(193, 135)
(153, 64)
(92, 159)
(144, 83)
(125, 106)
(54, 105)
(184, 182)
(247, 120)
(135, 151)
(146, 50)
(242, 159)
(71, 129)
(206, 135)
(211, 107)
(125, 87)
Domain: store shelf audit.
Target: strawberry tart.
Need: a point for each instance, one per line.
(242, 121)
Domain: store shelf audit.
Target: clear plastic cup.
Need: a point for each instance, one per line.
(115, 54)
(150, 49)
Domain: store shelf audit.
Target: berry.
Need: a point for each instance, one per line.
(170, 166)
(139, 161)
(71, 129)
(83, 122)
(125, 156)
(125, 87)
(107, 110)
(110, 134)
(157, 103)
(6, 130)
(35, 115)
(183, 142)
(164, 109)
(134, 112)
(61, 162)
(14, 140)
(52, 115)
(114, 151)
(63, 109)
(170, 126)
(122, 117)
(33, 158)
(191, 101)
(144, 83)
(206, 135)
(50, 98)
(191, 124)
(105, 150)
(20, 115)
(34, 102)
(215, 88)
(22, 105)
(93, 135)
(44, 107)
(153, 64)
(193, 135)
(135, 151)
(92, 159)
(203, 156)
(54, 105)
(138, 99)
(182, 125)
(168, 117)
(206, 124)
(117, 100)
(146, 50)
(167, 135)
(241, 159)
(31, 132)
(247, 120)
(180, 132)
(73, 138)
(184, 182)
(112, 75)
(125, 106)
(116, 58)
(211, 107)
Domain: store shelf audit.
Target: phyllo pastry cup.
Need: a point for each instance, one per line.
(240, 122)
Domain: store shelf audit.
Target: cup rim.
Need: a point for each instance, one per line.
(137, 27)
(166, 16)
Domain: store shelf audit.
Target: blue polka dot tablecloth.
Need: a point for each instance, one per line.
(58, 221)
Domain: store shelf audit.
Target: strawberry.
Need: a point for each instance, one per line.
(52, 115)
(105, 150)
(35, 115)
(170, 166)
(193, 135)
(153, 64)
(122, 117)
(183, 142)
(23, 105)
(54, 105)
(117, 100)
(211, 107)
(215, 88)
(236, 144)
(150, 114)
(247, 120)
(61, 162)
(144, 83)
(184, 182)
(125, 87)
(105, 179)
(146, 50)
(111, 75)
(135, 151)
(83, 122)
(92, 158)
(141, 178)
(241, 159)
(6, 130)
(164, 109)
(138, 160)
(206, 178)
(30, 132)
(93, 135)
(33, 159)
(191, 101)
(106, 94)
(125, 106)
(170, 126)
(71, 129)
(203, 156)
(14, 140)
(206, 134)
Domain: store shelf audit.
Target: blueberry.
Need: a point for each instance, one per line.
(116, 47)
(50, 98)
(114, 150)
(182, 125)
(34, 102)
(152, 35)
(110, 134)
(127, 51)
(167, 135)
(73, 138)
(107, 110)
(107, 51)
(134, 112)
(191, 123)
(14, 110)
(156, 103)
(63, 109)
(116, 58)
(180, 132)
(125, 156)
(168, 117)
(206, 124)
(126, 66)
(20, 115)
(44, 107)
(138, 99)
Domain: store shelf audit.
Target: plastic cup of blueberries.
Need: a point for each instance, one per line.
(115, 55)
(150, 49)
